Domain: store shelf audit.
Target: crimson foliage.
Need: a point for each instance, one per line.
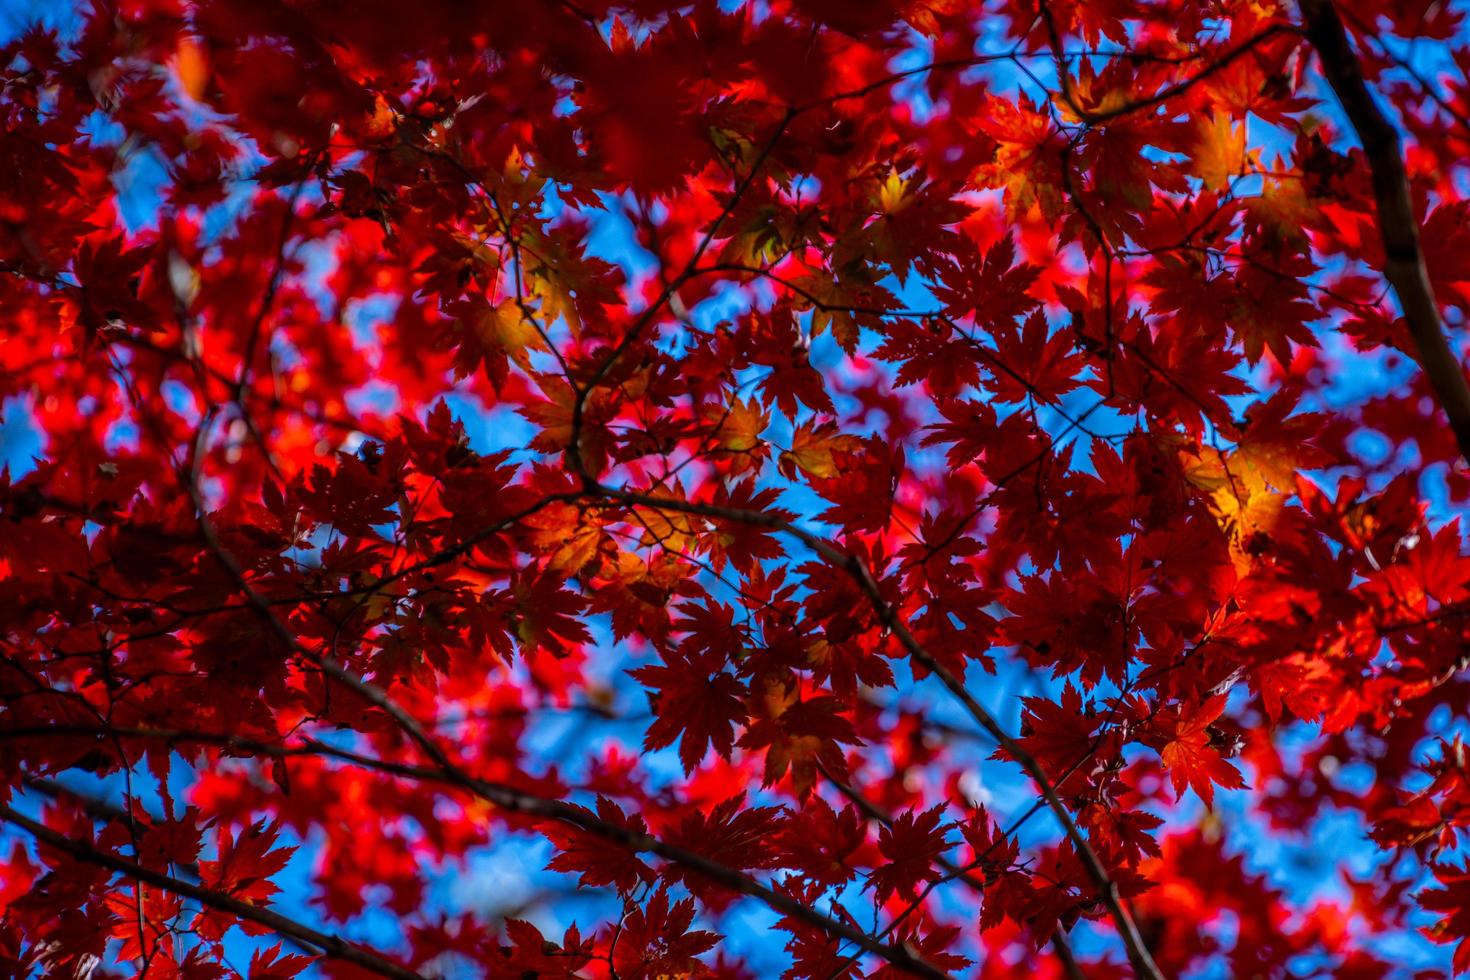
(974, 448)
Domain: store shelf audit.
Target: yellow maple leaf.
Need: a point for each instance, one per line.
(1218, 150)
(738, 426)
(893, 194)
(1240, 498)
(569, 535)
(1089, 95)
(506, 329)
(671, 529)
(1027, 160)
(1283, 208)
(811, 450)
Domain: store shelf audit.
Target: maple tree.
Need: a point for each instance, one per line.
(902, 488)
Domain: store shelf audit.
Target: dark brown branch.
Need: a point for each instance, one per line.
(1404, 259)
(333, 947)
(516, 801)
(691, 268)
(1138, 953)
(951, 870)
(1097, 117)
(447, 770)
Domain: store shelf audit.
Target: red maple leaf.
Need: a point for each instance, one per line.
(1185, 745)
(912, 845)
(692, 707)
(598, 860)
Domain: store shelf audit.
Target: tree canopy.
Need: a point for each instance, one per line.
(904, 488)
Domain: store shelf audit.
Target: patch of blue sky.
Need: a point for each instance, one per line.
(22, 440)
(364, 317)
(376, 926)
(221, 219)
(318, 258)
(19, 16)
(124, 435)
(613, 239)
(511, 881)
(377, 397)
(494, 428)
(913, 92)
(140, 181)
(180, 400)
(751, 933)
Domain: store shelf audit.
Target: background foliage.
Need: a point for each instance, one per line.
(907, 488)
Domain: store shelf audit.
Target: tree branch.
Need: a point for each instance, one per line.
(1404, 265)
(1138, 953)
(333, 947)
(953, 871)
(518, 801)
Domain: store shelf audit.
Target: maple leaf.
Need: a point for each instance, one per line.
(270, 964)
(993, 288)
(1060, 736)
(933, 947)
(657, 940)
(597, 860)
(930, 353)
(914, 217)
(246, 860)
(353, 497)
(532, 953)
(1218, 150)
(1283, 209)
(692, 707)
(1452, 899)
(821, 842)
(912, 844)
(989, 847)
(676, 531)
(546, 615)
(1188, 753)
(570, 535)
(843, 306)
(731, 835)
(1270, 318)
(1128, 834)
(1032, 363)
(493, 336)
(798, 734)
(972, 426)
(862, 492)
(1276, 443)
(1408, 824)
(743, 543)
(737, 429)
(812, 446)
(106, 270)
(554, 416)
(1027, 161)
